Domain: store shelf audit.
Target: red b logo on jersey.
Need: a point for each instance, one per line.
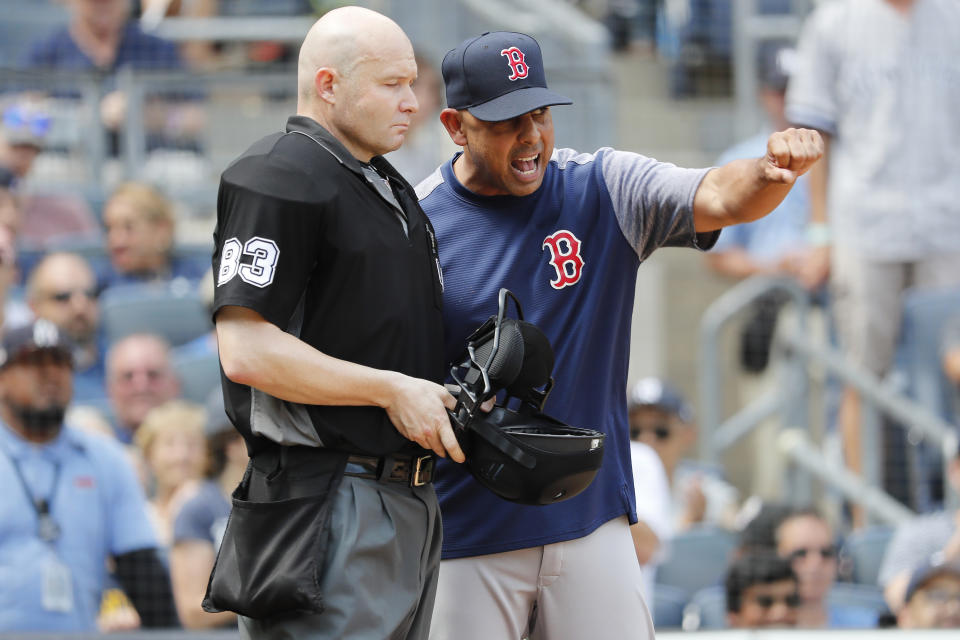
(565, 258)
(517, 62)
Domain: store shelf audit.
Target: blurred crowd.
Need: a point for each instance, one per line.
(123, 398)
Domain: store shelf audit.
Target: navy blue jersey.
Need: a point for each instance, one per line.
(570, 252)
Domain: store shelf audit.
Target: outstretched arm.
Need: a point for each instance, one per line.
(745, 190)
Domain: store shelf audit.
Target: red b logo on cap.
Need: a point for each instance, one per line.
(518, 65)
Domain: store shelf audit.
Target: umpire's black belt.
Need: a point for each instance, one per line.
(413, 471)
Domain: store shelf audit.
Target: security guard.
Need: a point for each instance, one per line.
(327, 307)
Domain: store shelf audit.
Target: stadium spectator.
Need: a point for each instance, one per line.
(140, 377)
(661, 418)
(762, 591)
(62, 288)
(71, 502)
(932, 598)
(654, 527)
(171, 441)
(200, 523)
(140, 225)
(37, 217)
(923, 539)
(23, 133)
(886, 187)
(200, 55)
(101, 38)
(807, 541)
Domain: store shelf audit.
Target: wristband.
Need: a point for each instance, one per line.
(818, 234)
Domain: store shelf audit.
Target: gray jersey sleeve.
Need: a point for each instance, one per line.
(653, 202)
(811, 95)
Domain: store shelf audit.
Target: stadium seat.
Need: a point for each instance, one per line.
(698, 559)
(178, 316)
(706, 610)
(199, 374)
(863, 552)
(668, 604)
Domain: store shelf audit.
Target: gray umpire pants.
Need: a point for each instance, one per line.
(380, 573)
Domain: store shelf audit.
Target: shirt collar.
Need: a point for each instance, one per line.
(17, 447)
(310, 127)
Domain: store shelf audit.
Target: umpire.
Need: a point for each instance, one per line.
(327, 310)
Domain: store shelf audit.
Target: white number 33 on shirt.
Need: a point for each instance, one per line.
(258, 271)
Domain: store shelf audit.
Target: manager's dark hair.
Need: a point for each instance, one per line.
(751, 569)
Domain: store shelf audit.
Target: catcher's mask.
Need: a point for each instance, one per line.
(522, 455)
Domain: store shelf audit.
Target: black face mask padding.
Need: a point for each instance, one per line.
(538, 360)
(508, 360)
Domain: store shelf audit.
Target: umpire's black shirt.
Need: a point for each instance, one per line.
(305, 238)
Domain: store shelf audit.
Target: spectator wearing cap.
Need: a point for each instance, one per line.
(199, 525)
(71, 502)
(62, 288)
(805, 539)
(932, 598)
(661, 418)
(762, 592)
(23, 134)
(919, 540)
(776, 244)
(38, 218)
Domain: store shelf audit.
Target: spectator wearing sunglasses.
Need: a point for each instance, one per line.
(23, 133)
(661, 418)
(762, 591)
(805, 539)
(62, 288)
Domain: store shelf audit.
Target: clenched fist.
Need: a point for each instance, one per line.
(791, 153)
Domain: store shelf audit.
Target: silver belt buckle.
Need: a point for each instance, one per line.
(423, 467)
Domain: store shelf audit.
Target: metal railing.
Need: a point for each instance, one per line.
(795, 352)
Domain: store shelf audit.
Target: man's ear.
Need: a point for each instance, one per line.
(325, 83)
(453, 123)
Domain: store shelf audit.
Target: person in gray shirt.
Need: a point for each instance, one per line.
(879, 79)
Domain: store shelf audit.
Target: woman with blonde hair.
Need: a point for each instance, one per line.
(173, 445)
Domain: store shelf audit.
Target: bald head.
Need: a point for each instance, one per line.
(343, 39)
(356, 75)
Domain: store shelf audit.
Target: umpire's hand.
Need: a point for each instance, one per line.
(417, 409)
(791, 153)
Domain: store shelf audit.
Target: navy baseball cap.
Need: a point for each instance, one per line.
(656, 393)
(39, 335)
(497, 76)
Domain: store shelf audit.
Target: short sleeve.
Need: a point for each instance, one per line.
(653, 202)
(266, 248)
(811, 94)
(129, 526)
(652, 489)
(195, 520)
